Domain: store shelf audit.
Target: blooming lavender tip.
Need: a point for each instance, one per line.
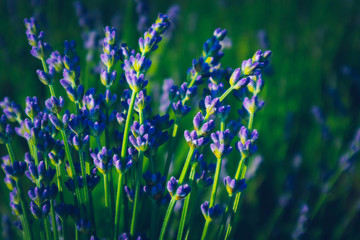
(54, 104)
(236, 80)
(177, 192)
(122, 166)
(32, 107)
(234, 186)
(194, 140)
(180, 109)
(211, 214)
(253, 105)
(102, 159)
(246, 144)
(55, 61)
(221, 143)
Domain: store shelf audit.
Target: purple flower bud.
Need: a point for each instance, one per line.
(210, 213)
(122, 166)
(220, 34)
(32, 107)
(234, 186)
(55, 104)
(179, 109)
(182, 191)
(172, 186)
(55, 61)
(253, 105)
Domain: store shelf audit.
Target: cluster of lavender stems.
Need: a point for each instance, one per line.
(69, 152)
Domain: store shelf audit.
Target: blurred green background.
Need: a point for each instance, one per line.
(315, 61)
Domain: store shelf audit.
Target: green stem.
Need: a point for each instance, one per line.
(192, 204)
(137, 193)
(213, 194)
(118, 204)
(206, 226)
(107, 203)
(171, 148)
(72, 167)
(225, 215)
(225, 94)
(61, 195)
(215, 184)
(47, 228)
(52, 90)
(235, 206)
(167, 217)
(44, 65)
(186, 204)
(85, 185)
(127, 125)
(186, 165)
(53, 220)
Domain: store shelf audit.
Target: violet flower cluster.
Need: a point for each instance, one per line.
(96, 161)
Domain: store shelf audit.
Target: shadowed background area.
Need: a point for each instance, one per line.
(312, 93)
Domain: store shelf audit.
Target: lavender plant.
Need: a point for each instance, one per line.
(74, 142)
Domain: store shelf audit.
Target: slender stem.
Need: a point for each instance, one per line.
(193, 203)
(85, 185)
(107, 203)
(215, 184)
(251, 119)
(206, 226)
(47, 228)
(61, 195)
(52, 90)
(127, 125)
(53, 220)
(171, 148)
(11, 153)
(225, 94)
(167, 217)
(72, 167)
(225, 215)
(186, 204)
(44, 65)
(186, 165)
(137, 193)
(241, 163)
(213, 195)
(28, 230)
(118, 203)
(235, 206)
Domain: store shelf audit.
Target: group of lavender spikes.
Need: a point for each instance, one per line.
(65, 170)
